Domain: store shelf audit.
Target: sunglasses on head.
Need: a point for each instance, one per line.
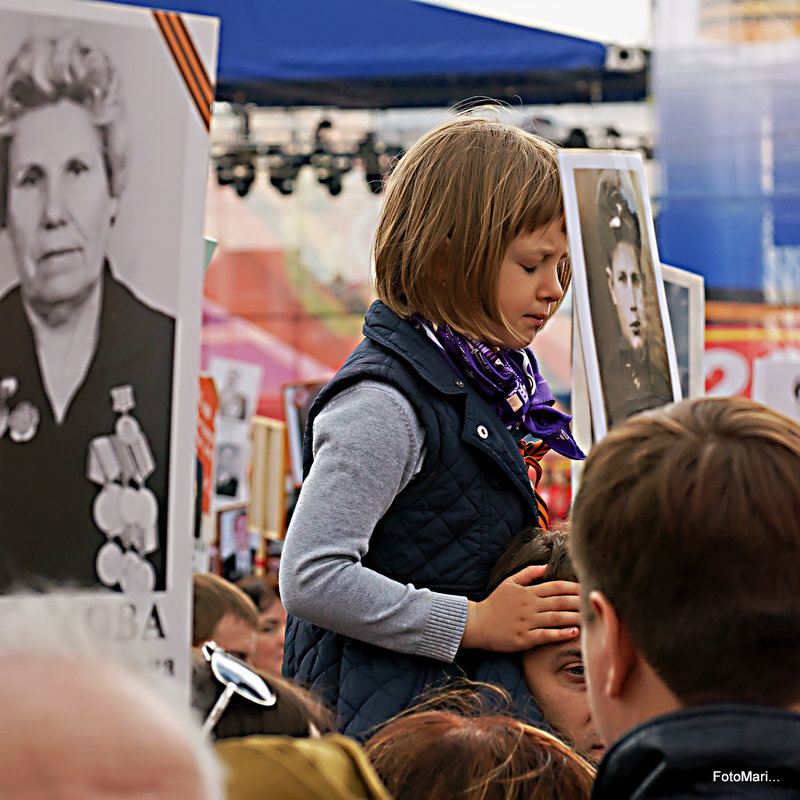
(237, 678)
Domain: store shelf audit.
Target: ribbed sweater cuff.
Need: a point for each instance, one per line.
(445, 627)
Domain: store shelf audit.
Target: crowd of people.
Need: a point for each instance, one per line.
(443, 639)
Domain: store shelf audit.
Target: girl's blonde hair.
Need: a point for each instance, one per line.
(453, 204)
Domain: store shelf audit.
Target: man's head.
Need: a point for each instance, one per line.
(686, 538)
(621, 241)
(79, 722)
(553, 672)
(224, 614)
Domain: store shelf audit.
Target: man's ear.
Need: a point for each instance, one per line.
(610, 282)
(620, 657)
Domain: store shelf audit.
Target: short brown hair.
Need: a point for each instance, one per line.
(688, 520)
(535, 546)
(294, 711)
(461, 749)
(214, 597)
(453, 204)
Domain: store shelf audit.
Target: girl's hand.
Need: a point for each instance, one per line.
(516, 616)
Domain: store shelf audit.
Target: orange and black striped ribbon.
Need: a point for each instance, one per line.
(180, 44)
(532, 453)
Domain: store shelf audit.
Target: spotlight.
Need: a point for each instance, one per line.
(330, 168)
(224, 167)
(377, 159)
(237, 168)
(284, 168)
(244, 175)
(577, 138)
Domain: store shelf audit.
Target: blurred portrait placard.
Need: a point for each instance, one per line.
(776, 381)
(103, 170)
(297, 401)
(685, 293)
(620, 301)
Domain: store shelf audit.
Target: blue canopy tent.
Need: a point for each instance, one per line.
(400, 53)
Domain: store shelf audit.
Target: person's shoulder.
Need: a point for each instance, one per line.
(12, 315)
(11, 297)
(137, 311)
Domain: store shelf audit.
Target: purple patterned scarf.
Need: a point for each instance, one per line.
(510, 382)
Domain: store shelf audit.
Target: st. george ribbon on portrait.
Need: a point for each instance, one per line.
(85, 364)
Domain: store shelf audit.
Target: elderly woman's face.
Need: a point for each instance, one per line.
(60, 209)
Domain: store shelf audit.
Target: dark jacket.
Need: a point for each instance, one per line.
(47, 530)
(443, 532)
(633, 383)
(730, 751)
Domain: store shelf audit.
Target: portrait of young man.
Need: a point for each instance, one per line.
(618, 288)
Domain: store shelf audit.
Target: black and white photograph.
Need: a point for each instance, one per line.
(685, 293)
(619, 292)
(237, 546)
(229, 469)
(103, 165)
(238, 385)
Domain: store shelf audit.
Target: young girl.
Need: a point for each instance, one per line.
(417, 453)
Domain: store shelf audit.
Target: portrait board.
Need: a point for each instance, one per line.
(103, 171)
(685, 292)
(237, 546)
(776, 381)
(620, 301)
(268, 478)
(238, 384)
(297, 401)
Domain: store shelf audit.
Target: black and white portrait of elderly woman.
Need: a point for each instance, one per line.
(85, 364)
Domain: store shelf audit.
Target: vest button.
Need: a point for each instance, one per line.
(458, 382)
(482, 432)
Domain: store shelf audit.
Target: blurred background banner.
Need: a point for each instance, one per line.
(725, 80)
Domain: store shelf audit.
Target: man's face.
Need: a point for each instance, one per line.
(555, 676)
(627, 293)
(240, 534)
(271, 633)
(236, 635)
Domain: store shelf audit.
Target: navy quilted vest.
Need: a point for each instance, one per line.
(443, 532)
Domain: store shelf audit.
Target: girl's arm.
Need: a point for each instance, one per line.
(368, 445)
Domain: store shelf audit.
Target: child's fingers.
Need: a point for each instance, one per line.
(529, 574)
(542, 636)
(556, 619)
(550, 588)
(560, 602)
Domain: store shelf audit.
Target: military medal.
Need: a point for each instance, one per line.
(125, 510)
(22, 421)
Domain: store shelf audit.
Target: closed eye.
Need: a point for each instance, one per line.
(30, 176)
(76, 166)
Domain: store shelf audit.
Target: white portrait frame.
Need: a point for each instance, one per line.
(157, 250)
(630, 169)
(695, 286)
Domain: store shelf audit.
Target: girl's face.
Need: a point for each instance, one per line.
(528, 285)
